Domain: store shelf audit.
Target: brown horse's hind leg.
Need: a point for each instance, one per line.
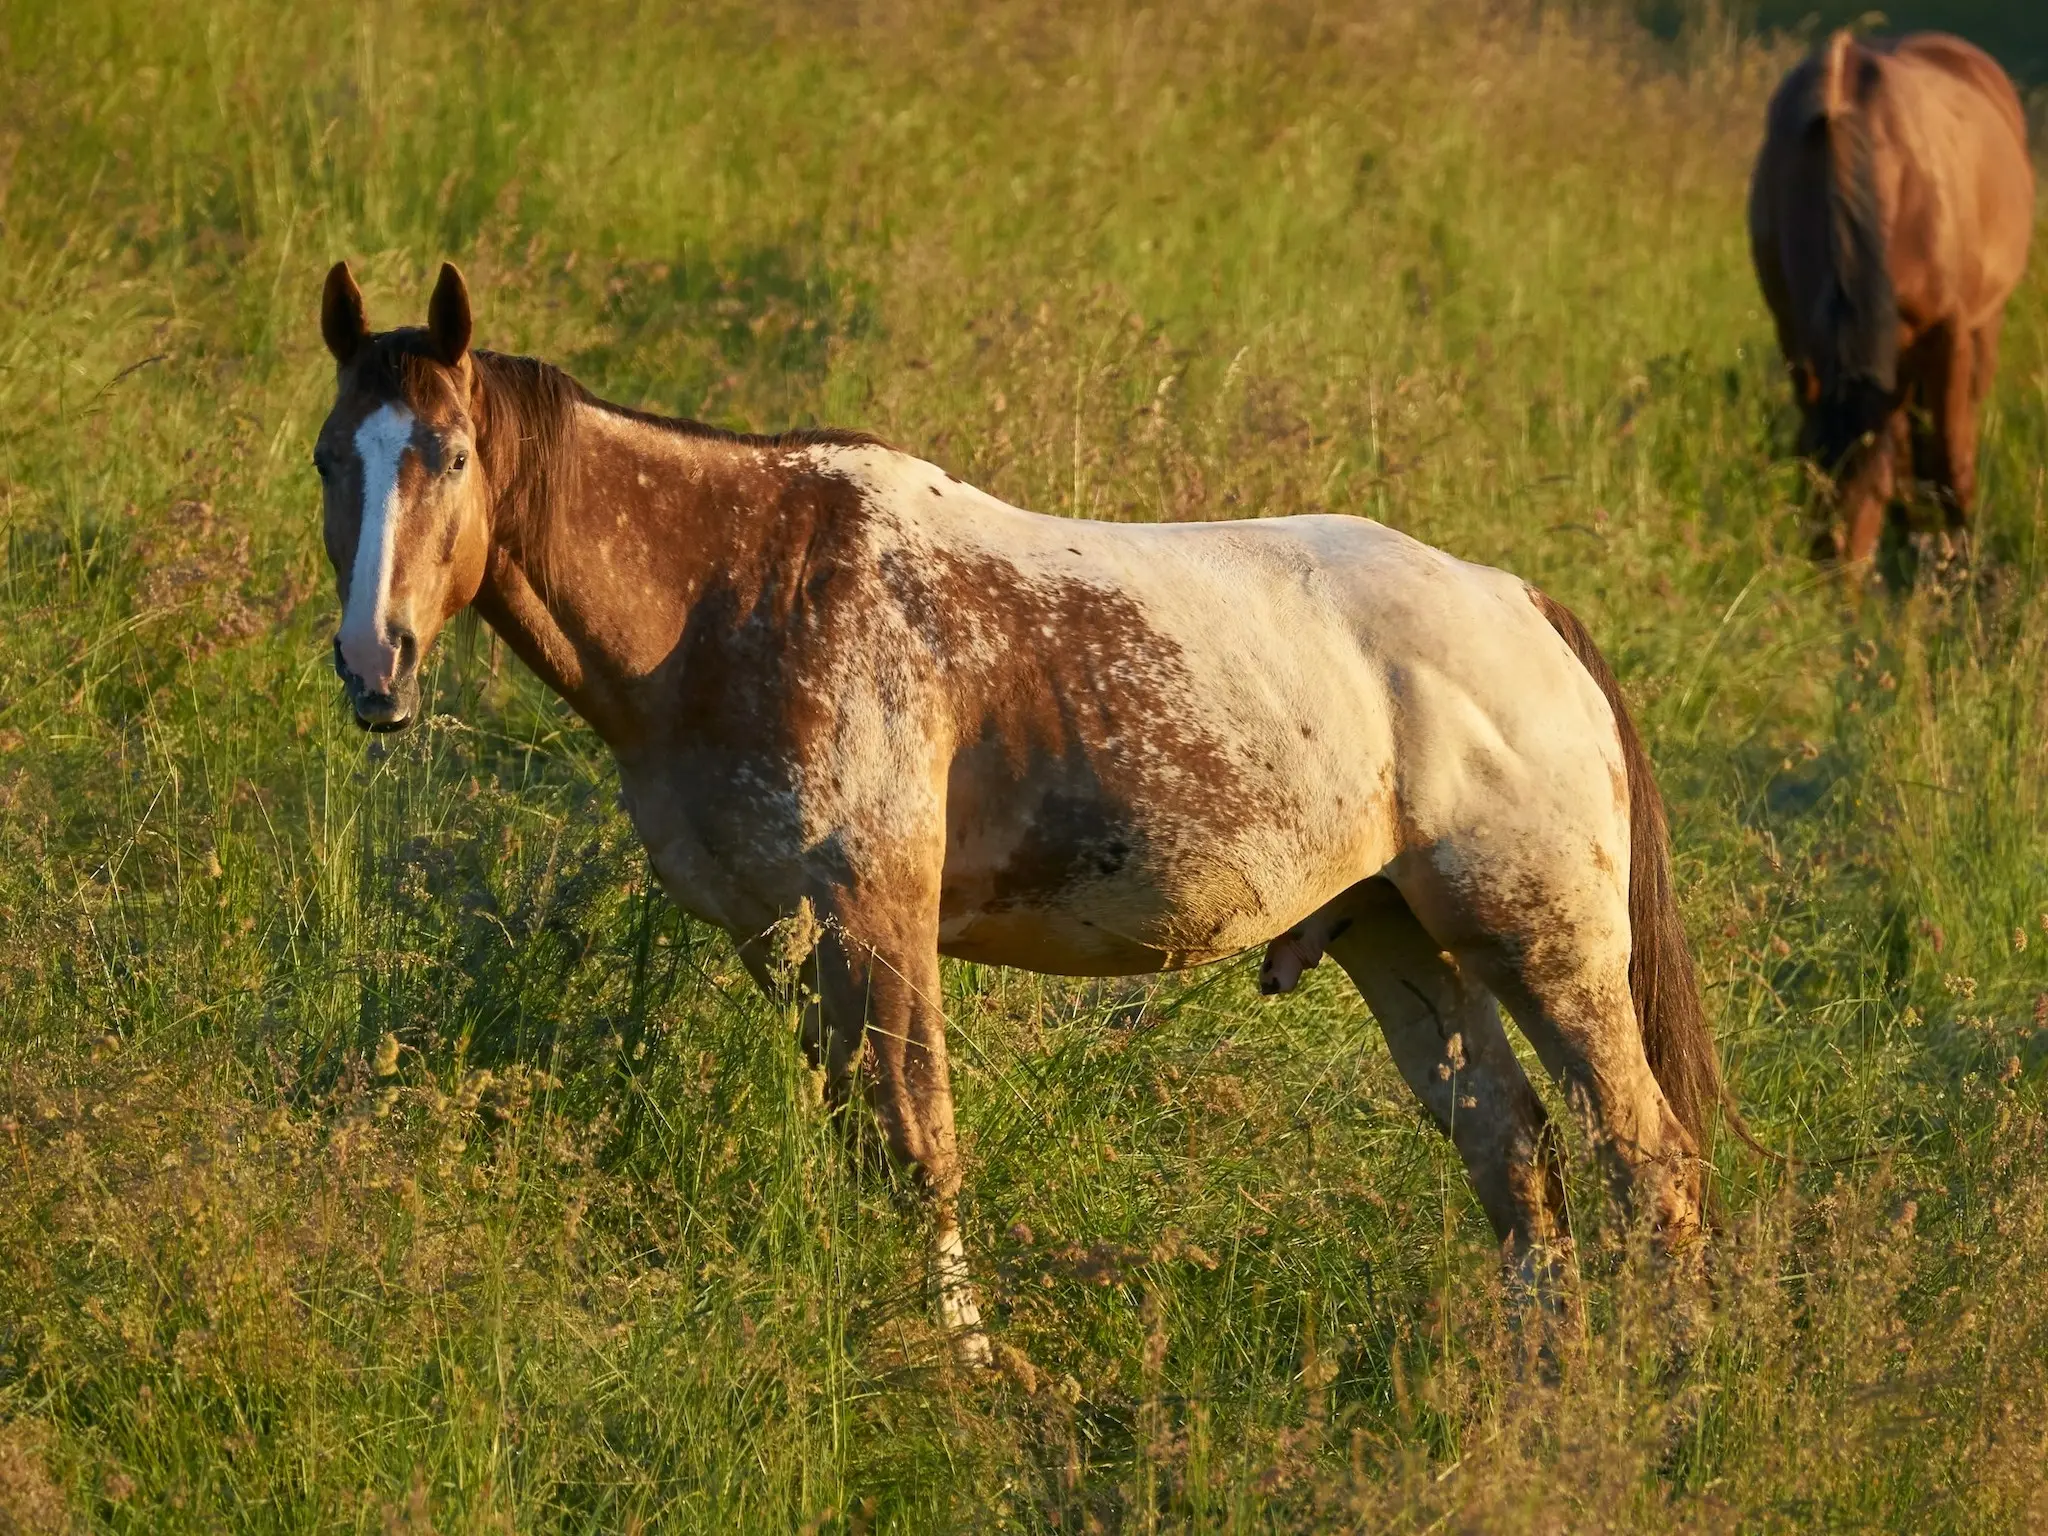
(1445, 1036)
(879, 998)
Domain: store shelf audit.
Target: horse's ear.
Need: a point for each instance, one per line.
(344, 323)
(448, 316)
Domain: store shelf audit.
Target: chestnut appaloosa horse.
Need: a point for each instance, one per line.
(1889, 218)
(833, 674)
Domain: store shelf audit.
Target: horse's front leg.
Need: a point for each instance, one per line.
(1867, 481)
(878, 984)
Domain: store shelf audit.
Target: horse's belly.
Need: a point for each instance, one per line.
(1099, 938)
(1055, 943)
(1164, 906)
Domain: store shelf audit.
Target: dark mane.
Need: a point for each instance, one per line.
(793, 437)
(534, 389)
(528, 415)
(1860, 312)
(530, 411)
(527, 408)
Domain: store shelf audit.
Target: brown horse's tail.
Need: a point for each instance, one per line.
(1858, 323)
(1660, 971)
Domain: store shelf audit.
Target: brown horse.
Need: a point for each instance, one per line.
(1889, 217)
(832, 674)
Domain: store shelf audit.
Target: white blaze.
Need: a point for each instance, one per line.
(380, 442)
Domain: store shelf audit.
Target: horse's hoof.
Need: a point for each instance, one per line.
(971, 1350)
(1539, 1275)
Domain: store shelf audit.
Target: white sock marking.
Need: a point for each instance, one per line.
(959, 1307)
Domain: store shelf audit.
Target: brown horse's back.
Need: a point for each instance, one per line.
(1890, 215)
(1963, 66)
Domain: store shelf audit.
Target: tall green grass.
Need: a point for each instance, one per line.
(582, 1254)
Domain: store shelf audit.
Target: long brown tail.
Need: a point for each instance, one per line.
(1660, 970)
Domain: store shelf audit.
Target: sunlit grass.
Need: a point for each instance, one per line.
(587, 1257)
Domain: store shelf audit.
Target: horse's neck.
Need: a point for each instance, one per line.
(593, 590)
(544, 633)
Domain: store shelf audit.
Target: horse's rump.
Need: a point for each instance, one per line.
(1661, 977)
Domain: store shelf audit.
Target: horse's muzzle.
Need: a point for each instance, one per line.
(380, 712)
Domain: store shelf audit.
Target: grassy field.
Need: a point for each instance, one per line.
(379, 1153)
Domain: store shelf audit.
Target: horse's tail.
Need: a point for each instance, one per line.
(1859, 318)
(1660, 972)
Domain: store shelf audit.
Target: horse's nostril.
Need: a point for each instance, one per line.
(408, 650)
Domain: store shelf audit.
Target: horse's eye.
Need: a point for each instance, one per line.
(458, 463)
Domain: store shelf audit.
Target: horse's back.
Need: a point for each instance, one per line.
(1361, 607)
(1278, 615)
(1954, 65)
(1315, 612)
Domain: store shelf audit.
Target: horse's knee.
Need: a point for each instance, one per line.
(909, 1141)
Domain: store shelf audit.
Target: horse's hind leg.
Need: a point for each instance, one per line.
(1558, 958)
(1445, 1036)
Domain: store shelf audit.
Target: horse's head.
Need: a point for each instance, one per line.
(407, 507)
